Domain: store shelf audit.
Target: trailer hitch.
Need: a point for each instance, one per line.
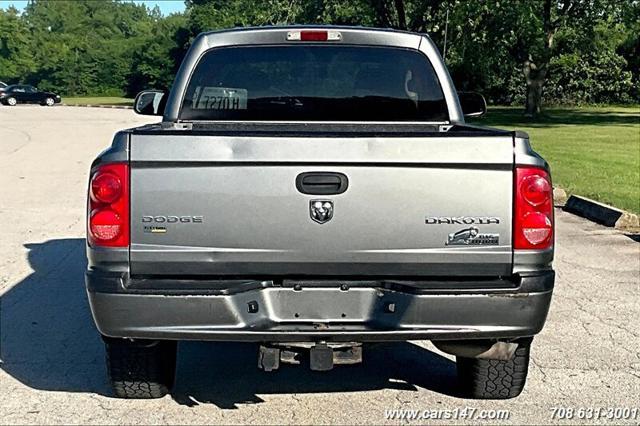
(322, 356)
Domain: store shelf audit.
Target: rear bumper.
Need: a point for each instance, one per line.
(319, 311)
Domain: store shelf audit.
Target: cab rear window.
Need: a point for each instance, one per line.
(313, 82)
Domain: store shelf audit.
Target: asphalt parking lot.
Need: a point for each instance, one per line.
(52, 366)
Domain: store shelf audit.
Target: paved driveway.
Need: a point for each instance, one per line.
(52, 367)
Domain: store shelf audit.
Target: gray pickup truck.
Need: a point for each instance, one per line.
(315, 189)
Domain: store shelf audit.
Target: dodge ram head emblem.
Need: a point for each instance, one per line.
(321, 210)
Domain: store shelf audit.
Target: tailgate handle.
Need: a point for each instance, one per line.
(322, 183)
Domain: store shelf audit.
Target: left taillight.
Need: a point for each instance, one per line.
(108, 206)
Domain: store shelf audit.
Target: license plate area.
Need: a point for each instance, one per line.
(322, 305)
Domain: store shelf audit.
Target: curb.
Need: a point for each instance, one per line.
(99, 106)
(601, 213)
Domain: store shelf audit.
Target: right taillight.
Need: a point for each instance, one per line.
(533, 220)
(108, 215)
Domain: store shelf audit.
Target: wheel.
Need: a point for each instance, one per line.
(49, 102)
(492, 378)
(11, 101)
(141, 369)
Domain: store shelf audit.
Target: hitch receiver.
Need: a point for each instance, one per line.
(321, 357)
(269, 358)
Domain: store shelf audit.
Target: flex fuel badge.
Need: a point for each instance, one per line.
(156, 224)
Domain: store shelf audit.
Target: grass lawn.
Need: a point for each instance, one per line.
(104, 100)
(593, 151)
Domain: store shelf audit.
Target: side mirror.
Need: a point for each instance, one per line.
(473, 104)
(150, 102)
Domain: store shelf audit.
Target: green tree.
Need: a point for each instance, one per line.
(562, 51)
(89, 47)
(15, 40)
(206, 15)
(157, 56)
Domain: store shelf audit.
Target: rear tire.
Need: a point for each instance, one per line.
(141, 369)
(492, 378)
(11, 101)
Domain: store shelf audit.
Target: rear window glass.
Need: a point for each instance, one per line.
(314, 83)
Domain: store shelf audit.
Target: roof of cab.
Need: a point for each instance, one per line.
(309, 27)
(278, 34)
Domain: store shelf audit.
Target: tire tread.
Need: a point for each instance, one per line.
(494, 379)
(141, 371)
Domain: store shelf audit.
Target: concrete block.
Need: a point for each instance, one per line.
(601, 213)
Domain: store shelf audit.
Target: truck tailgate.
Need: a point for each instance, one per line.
(228, 205)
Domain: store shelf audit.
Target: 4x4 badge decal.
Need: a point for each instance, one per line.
(472, 236)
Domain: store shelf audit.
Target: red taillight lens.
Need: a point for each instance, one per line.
(108, 215)
(105, 187)
(536, 228)
(105, 225)
(535, 189)
(533, 219)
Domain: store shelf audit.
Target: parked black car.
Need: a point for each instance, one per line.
(21, 93)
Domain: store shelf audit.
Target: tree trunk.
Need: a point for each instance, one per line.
(534, 99)
(535, 77)
(402, 16)
(536, 74)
